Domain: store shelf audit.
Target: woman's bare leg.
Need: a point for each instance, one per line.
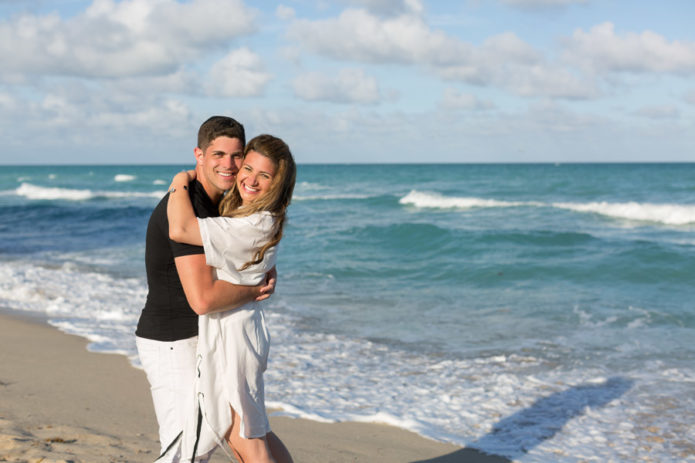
(229, 441)
(254, 450)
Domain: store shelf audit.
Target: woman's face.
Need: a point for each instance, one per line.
(255, 177)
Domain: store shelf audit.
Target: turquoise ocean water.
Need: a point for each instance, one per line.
(545, 313)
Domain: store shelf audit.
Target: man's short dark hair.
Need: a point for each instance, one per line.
(220, 126)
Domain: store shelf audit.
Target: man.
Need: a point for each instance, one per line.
(166, 335)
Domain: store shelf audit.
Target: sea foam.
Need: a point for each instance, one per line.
(79, 301)
(35, 192)
(669, 214)
(124, 178)
(435, 200)
(330, 197)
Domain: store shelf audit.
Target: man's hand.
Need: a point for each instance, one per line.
(268, 286)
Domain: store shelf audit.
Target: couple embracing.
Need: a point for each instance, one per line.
(210, 259)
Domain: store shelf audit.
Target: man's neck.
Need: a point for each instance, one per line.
(213, 193)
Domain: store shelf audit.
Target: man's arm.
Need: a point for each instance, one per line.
(207, 295)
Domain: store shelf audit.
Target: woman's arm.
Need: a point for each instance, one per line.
(183, 224)
(207, 295)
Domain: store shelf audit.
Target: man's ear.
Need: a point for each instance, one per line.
(199, 155)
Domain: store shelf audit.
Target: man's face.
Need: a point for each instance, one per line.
(219, 164)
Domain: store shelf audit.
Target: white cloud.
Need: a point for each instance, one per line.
(690, 97)
(348, 86)
(78, 117)
(553, 118)
(181, 82)
(291, 53)
(455, 99)
(544, 81)
(542, 3)
(389, 7)
(6, 100)
(503, 60)
(284, 12)
(360, 36)
(316, 135)
(601, 50)
(116, 39)
(484, 64)
(240, 73)
(658, 112)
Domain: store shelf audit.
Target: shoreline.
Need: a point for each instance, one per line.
(61, 402)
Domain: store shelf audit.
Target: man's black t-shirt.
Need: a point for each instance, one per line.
(167, 315)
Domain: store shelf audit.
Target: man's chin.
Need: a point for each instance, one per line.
(225, 183)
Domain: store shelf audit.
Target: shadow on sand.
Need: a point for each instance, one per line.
(517, 434)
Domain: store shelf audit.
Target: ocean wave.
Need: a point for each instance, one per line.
(78, 300)
(124, 178)
(35, 192)
(669, 214)
(310, 186)
(438, 201)
(330, 197)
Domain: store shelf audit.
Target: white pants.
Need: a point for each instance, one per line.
(170, 369)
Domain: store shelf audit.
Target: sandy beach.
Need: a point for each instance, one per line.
(61, 403)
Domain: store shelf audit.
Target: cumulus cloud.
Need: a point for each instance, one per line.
(240, 73)
(347, 86)
(602, 50)
(79, 115)
(455, 99)
(358, 35)
(117, 39)
(508, 62)
(503, 60)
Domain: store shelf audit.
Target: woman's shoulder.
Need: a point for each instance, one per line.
(261, 219)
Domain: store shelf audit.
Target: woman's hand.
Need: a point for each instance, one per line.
(267, 287)
(190, 174)
(182, 179)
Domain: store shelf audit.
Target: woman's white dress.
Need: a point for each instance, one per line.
(232, 346)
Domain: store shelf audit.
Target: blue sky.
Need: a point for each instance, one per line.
(350, 81)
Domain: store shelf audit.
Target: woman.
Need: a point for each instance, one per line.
(233, 345)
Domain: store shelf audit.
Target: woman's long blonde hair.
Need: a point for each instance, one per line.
(275, 200)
